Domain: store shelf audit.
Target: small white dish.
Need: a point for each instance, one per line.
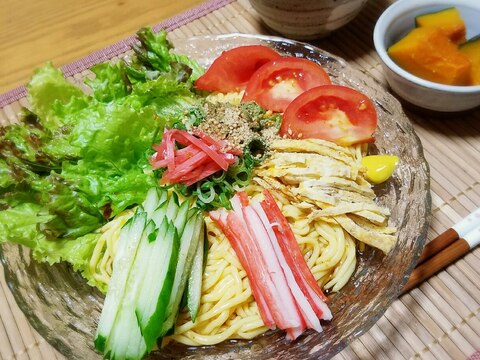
(395, 23)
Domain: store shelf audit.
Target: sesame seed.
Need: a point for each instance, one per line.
(224, 121)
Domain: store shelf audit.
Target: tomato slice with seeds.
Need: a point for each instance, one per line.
(278, 82)
(331, 112)
(231, 71)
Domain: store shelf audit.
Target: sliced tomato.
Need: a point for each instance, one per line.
(331, 112)
(233, 68)
(278, 82)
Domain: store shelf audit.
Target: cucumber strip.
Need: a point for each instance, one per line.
(142, 300)
(172, 207)
(130, 237)
(126, 340)
(157, 285)
(174, 197)
(152, 265)
(188, 245)
(169, 208)
(182, 217)
(183, 302)
(194, 290)
(151, 200)
(159, 213)
(155, 196)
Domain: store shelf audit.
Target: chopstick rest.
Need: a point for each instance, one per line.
(452, 234)
(443, 258)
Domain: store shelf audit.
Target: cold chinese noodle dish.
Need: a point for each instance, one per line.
(227, 196)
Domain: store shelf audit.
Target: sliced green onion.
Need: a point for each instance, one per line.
(242, 178)
(219, 179)
(224, 201)
(206, 199)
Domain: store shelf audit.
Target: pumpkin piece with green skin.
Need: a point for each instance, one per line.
(449, 21)
(427, 53)
(472, 50)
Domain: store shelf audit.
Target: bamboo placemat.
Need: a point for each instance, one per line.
(438, 320)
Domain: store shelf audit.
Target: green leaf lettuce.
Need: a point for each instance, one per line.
(78, 159)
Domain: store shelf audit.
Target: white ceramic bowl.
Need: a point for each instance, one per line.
(306, 19)
(395, 23)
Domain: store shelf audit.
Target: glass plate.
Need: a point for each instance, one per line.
(65, 310)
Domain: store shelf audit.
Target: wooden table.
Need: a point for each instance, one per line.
(33, 32)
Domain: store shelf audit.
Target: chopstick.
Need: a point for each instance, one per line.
(445, 249)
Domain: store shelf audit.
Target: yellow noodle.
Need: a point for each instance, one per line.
(237, 279)
(216, 271)
(301, 227)
(332, 254)
(211, 326)
(345, 268)
(311, 248)
(100, 264)
(221, 288)
(242, 310)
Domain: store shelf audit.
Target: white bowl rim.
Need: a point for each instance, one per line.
(397, 9)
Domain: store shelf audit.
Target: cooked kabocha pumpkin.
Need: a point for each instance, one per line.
(427, 53)
(472, 50)
(448, 20)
